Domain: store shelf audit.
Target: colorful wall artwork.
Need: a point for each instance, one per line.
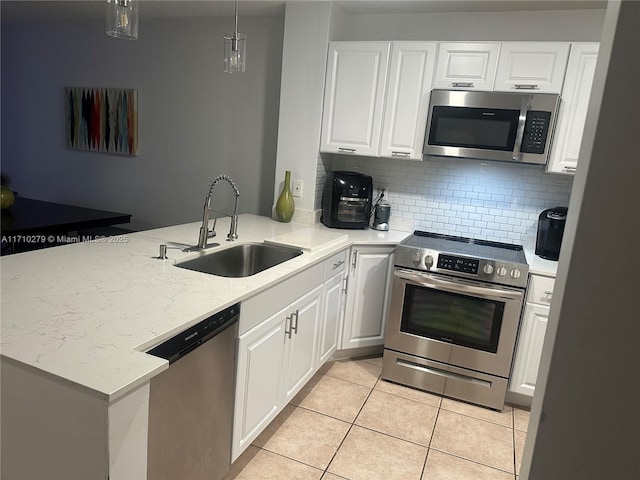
(102, 119)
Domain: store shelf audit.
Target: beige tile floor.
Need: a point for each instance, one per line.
(347, 423)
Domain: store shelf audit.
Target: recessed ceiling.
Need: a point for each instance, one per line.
(62, 10)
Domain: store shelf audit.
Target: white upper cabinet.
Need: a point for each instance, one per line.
(407, 100)
(573, 108)
(534, 66)
(354, 97)
(377, 98)
(466, 66)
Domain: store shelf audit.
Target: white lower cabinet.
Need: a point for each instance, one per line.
(368, 290)
(258, 380)
(301, 332)
(331, 317)
(531, 337)
(278, 354)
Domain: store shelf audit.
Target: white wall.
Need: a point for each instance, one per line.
(585, 421)
(306, 37)
(195, 122)
(568, 26)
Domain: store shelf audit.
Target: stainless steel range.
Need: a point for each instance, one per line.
(454, 314)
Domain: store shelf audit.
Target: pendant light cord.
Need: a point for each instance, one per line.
(236, 15)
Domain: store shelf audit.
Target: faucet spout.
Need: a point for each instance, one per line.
(205, 233)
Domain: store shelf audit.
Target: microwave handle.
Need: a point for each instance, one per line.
(524, 107)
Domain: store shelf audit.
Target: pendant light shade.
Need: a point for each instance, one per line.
(122, 19)
(235, 48)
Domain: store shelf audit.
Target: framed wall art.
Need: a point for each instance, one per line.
(102, 119)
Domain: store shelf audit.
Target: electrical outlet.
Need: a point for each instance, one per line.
(297, 188)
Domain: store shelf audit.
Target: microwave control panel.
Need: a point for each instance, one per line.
(536, 128)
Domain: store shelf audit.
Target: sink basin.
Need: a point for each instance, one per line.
(241, 260)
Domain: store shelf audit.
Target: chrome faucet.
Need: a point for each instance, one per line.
(205, 233)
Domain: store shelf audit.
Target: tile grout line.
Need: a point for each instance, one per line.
(353, 423)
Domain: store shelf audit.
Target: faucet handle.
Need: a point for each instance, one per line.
(233, 231)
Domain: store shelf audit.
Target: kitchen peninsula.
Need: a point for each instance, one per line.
(77, 319)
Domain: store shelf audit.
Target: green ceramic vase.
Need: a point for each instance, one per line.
(285, 205)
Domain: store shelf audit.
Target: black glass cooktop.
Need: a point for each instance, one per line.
(507, 252)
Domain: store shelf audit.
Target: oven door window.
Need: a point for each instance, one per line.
(492, 129)
(453, 318)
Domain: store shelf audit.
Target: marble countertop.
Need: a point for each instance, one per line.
(85, 313)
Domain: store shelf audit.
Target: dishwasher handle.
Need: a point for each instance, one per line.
(188, 340)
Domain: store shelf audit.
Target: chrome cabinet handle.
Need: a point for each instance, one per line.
(290, 320)
(345, 283)
(400, 154)
(295, 327)
(570, 169)
(548, 294)
(462, 84)
(346, 150)
(355, 259)
(338, 264)
(524, 86)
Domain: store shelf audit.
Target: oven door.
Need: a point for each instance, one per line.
(458, 322)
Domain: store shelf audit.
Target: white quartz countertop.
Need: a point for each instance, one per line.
(540, 266)
(85, 313)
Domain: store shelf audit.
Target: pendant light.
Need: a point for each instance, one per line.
(122, 19)
(235, 47)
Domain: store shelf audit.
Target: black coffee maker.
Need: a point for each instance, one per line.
(550, 230)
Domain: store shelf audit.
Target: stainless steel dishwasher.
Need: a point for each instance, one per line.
(191, 403)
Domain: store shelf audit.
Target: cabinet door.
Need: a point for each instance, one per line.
(534, 66)
(466, 66)
(332, 309)
(258, 380)
(367, 297)
(407, 100)
(353, 99)
(300, 342)
(529, 351)
(573, 107)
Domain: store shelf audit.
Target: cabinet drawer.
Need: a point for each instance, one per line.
(335, 264)
(540, 289)
(255, 309)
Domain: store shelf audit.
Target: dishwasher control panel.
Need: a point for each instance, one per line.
(189, 339)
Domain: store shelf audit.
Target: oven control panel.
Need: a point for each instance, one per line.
(482, 269)
(458, 264)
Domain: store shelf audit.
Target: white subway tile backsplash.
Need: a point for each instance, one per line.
(502, 200)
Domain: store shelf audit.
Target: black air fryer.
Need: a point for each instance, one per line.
(346, 200)
(550, 230)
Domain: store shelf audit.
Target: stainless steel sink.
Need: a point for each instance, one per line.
(241, 260)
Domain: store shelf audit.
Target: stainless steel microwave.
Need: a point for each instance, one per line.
(505, 126)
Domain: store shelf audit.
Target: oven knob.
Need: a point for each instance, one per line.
(515, 273)
(488, 269)
(428, 261)
(417, 257)
(501, 271)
